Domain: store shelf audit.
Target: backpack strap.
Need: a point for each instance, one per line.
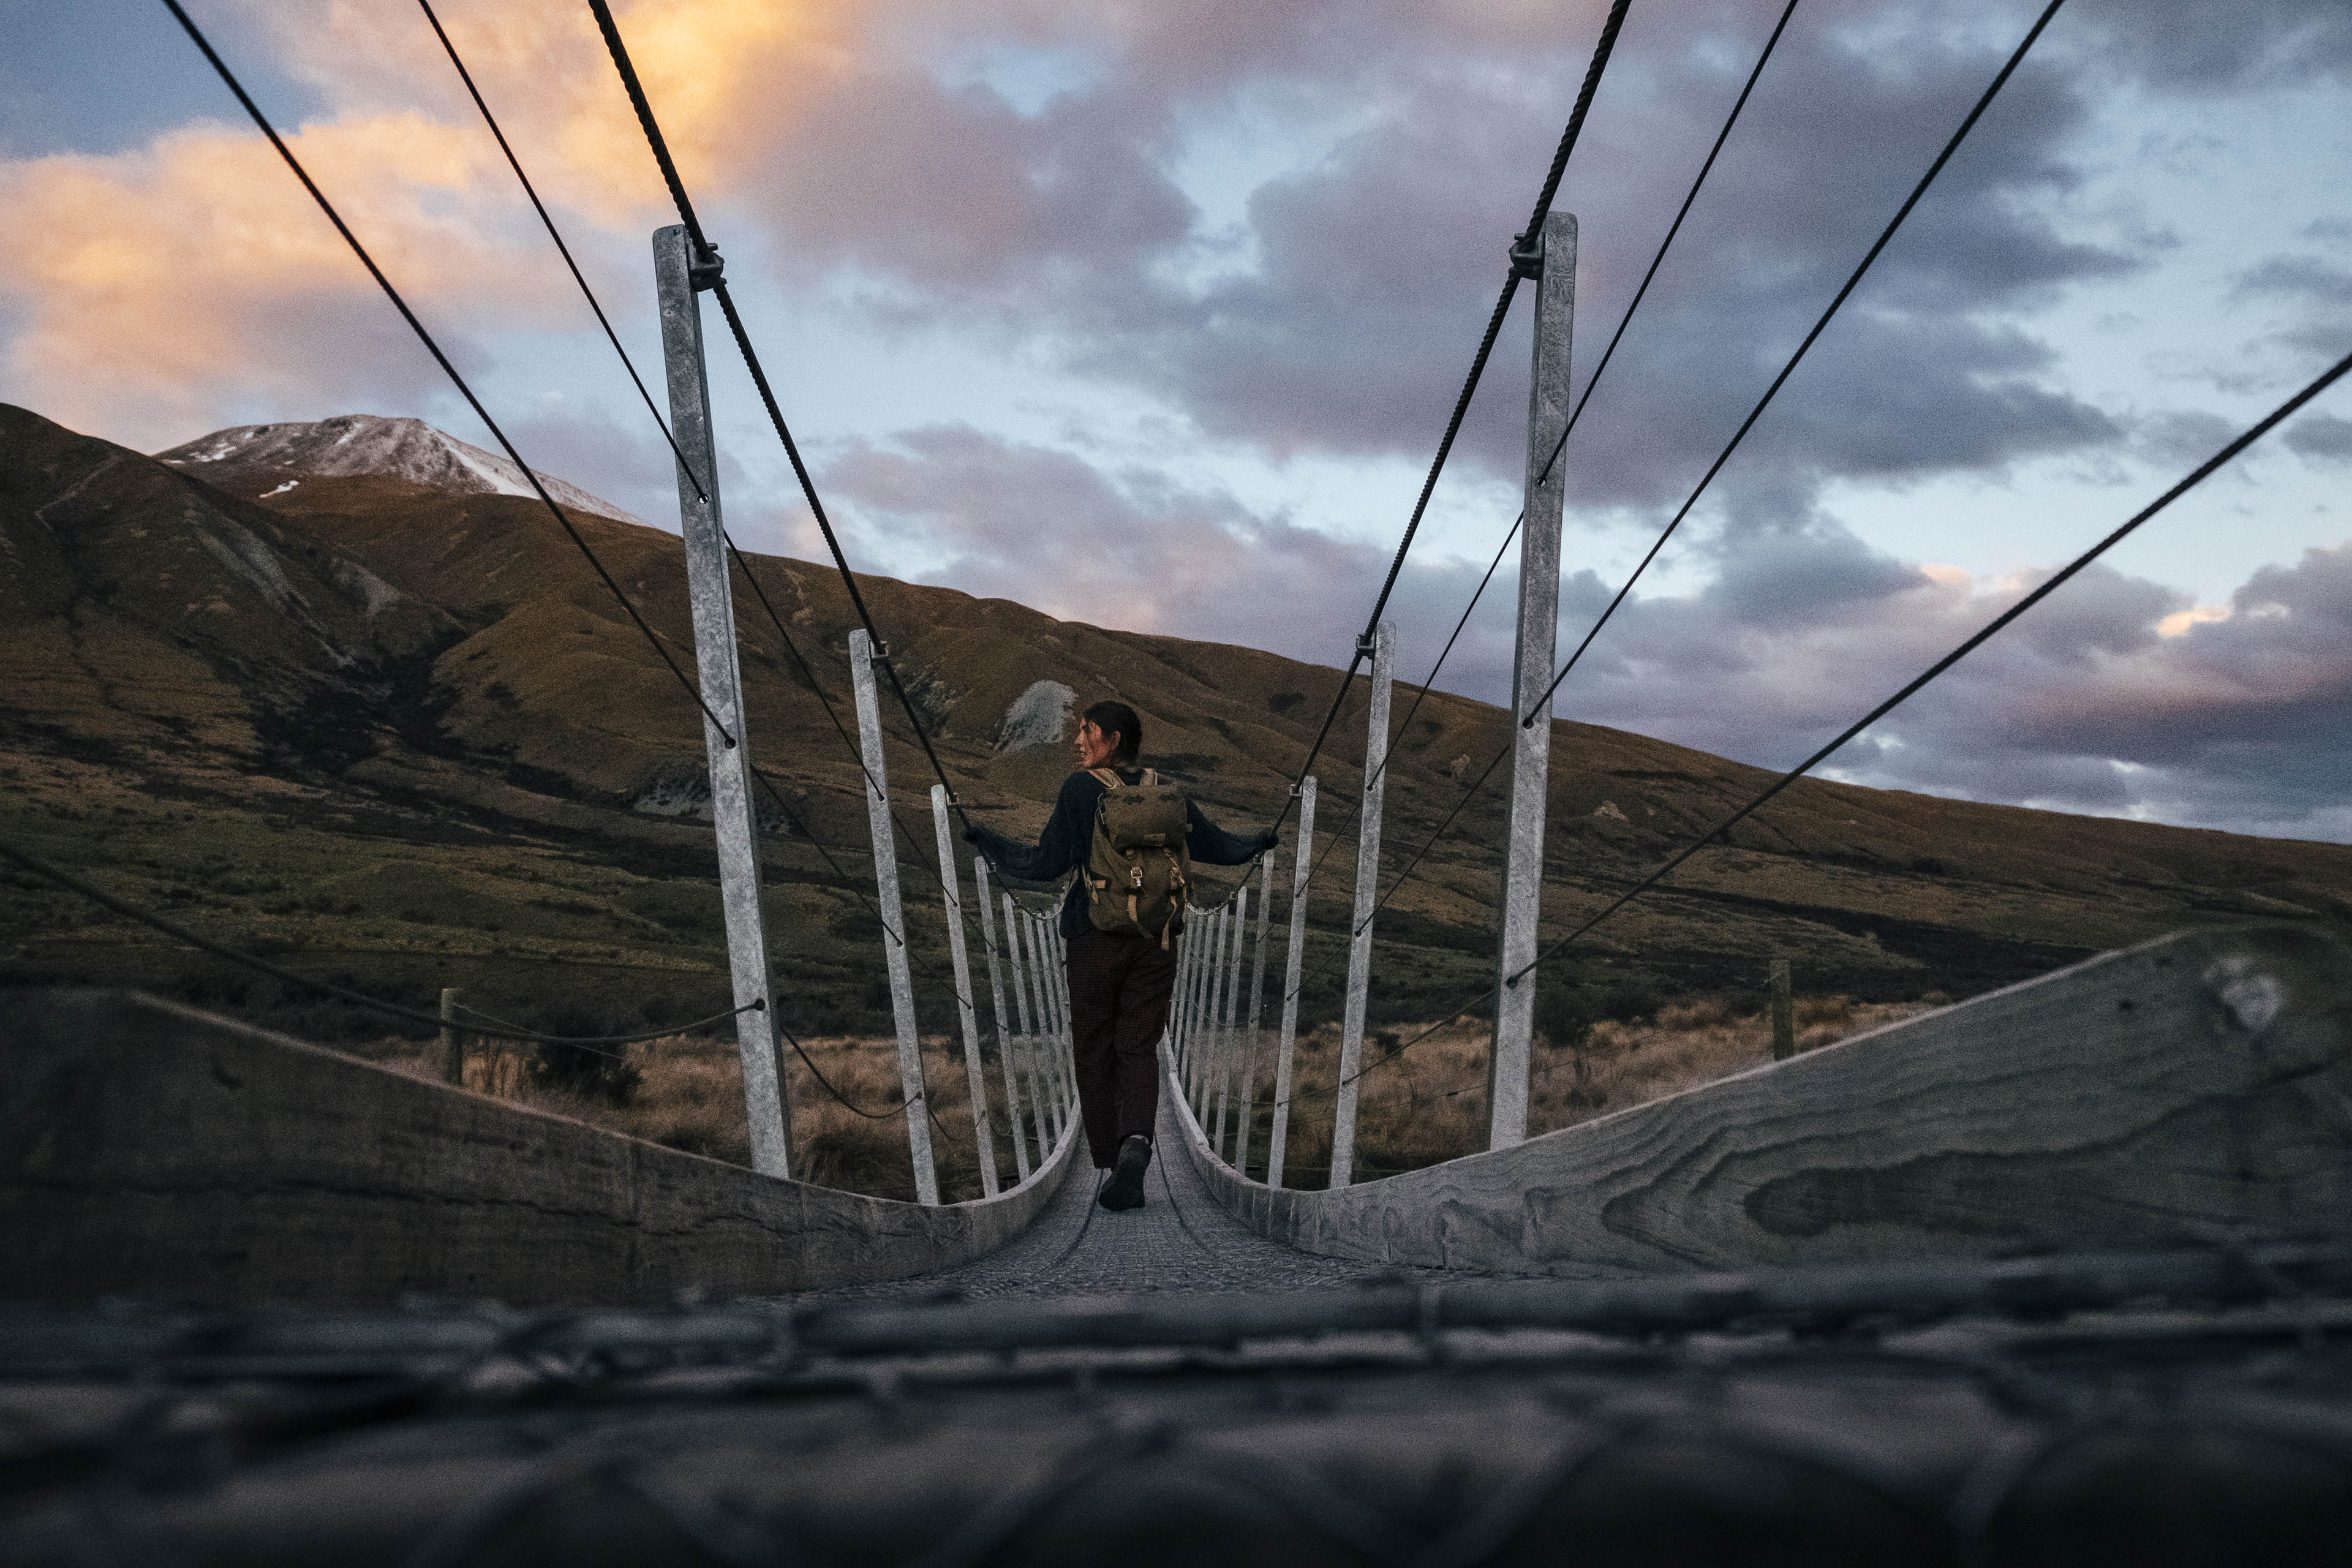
(1107, 777)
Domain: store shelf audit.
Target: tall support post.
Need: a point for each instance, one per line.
(1293, 967)
(678, 273)
(967, 1020)
(1049, 1119)
(1360, 925)
(1005, 1049)
(1256, 1015)
(1538, 646)
(894, 918)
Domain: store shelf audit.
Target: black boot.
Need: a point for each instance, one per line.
(1125, 1188)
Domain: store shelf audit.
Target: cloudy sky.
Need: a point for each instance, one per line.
(1151, 313)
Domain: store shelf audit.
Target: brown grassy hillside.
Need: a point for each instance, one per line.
(406, 738)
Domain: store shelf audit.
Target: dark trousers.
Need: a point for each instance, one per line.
(1120, 987)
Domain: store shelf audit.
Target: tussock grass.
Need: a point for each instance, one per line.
(1419, 1108)
(1429, 1104)
(689, 1095)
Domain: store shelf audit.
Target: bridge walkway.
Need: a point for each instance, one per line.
(1180, 1239)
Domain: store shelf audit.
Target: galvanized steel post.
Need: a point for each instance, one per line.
(966, 1019)
(1228, 1008)
(1214, 1095)
(1256, 1015)
(1538, 646)
(1293, 962)
(720, 682)
(1049, 1125)
(894, 918)
(1360, 926)
(1005, 1049)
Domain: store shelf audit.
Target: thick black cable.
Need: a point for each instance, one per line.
(547, 220)
(1527, 719)
(2198, 476)
(808, 671)
(1607, 355)
(1667, 244)
(1600, 63)
(171, 928)
(685, 466)
(586, 293)
(2255, 433)
(1431, 843)
(660, 147)
(433, 348)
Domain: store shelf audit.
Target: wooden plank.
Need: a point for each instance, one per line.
(2194, 1088)
(148, 1147)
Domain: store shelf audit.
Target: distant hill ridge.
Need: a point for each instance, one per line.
(392, 631)
(257, 458)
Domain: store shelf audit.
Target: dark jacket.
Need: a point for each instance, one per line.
(1069, 835)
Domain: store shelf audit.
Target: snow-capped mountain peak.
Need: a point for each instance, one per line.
(352, 444)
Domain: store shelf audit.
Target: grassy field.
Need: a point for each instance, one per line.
(1424, 1106)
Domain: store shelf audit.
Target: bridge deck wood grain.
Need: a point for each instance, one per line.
(2195, 1089)
(146, 1147)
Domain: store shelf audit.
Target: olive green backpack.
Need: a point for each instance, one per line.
(1139, 871)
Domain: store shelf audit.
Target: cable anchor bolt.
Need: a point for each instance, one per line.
(1367, 644)
(1528, 256)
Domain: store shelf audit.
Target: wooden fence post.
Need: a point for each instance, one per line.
(1784, 1013)
(452, 1043)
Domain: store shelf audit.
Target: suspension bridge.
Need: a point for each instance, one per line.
(1947, 1291)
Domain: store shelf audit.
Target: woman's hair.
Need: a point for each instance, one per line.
(1118, 719)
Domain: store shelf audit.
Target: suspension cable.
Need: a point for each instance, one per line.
(547, 220)
(1527, 719)
(2325, 379)
(433, 348)
(1607, 355)
(577, 276)
(173, 929)
(1527, 722)
(1592, 74)
(2254, 433)
(660, 149)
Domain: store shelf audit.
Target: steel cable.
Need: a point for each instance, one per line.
(1593, 72)
(2320, 383)
(2253, 434)
(1527, 719)
(547, 220)
(1607, 355)
(1610, 353)
(660, 147)
(433, 348)
(539, 206)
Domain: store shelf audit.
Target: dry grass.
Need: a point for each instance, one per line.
(1430, 1104)
(690, 1096)
(1426, 1106)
